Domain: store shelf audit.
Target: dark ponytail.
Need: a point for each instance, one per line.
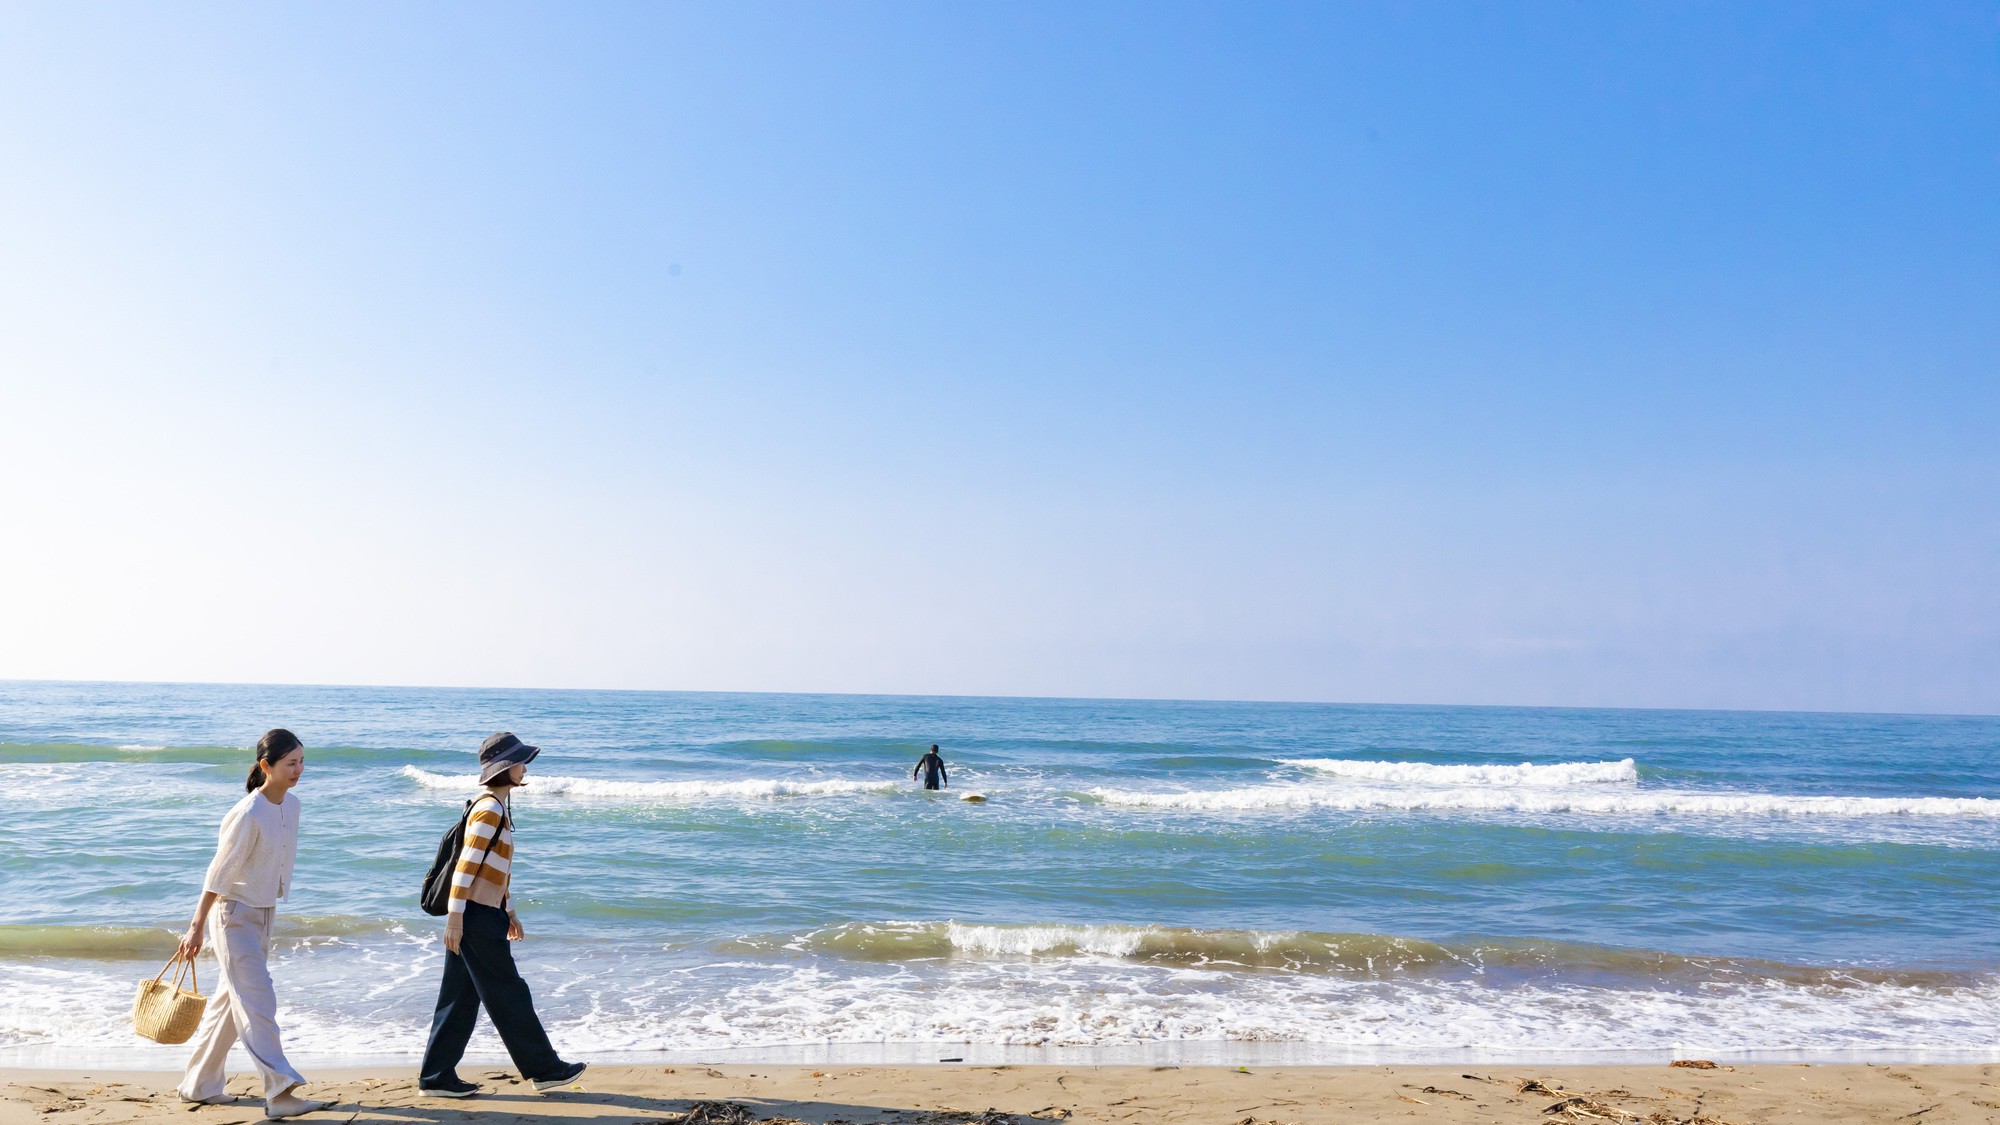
(276, 743)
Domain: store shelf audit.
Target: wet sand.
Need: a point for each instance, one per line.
(1021, 1095)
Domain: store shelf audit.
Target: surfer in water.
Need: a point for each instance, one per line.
(932, 767)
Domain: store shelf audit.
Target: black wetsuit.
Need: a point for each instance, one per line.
(932, 767)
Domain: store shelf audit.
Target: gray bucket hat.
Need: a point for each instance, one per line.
(500, 752)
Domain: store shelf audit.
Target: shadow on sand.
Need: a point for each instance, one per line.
(506, 1108)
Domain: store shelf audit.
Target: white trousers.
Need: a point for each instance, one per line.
(243, 1006)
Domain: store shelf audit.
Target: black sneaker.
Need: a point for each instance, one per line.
(563, 1076)
(450, 1088)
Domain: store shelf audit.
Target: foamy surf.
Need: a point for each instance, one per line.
(1526, 773)
(1504, 800)
(659, 790)
(1121, 1004)
(614, 1001)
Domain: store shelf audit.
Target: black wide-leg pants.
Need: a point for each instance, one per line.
(483, 972)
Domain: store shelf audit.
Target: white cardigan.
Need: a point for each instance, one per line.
(254, 851)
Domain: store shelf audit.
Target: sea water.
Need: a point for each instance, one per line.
(756, 876)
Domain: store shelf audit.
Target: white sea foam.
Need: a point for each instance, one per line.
(1222, 950)
(1097, 1005)
(599, 1002)
(659, 790)
(1028, 940)
(1182, 946)
(1527, 773)
(1629, 803)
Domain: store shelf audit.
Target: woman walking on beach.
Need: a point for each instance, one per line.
(251, 871)
(478, 966)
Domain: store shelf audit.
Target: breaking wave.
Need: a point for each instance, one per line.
(1527, 773)
(660, 790)
(1365, 956)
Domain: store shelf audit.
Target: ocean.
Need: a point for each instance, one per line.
(755, 877)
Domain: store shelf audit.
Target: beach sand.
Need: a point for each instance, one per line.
(962, 1095)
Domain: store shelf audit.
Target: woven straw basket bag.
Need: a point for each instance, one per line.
(165, 1012)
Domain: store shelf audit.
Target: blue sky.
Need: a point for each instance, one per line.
(1636, 355)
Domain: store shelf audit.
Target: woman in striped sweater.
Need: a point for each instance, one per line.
(478, 965)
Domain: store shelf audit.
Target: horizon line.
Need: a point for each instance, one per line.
(1023, 698)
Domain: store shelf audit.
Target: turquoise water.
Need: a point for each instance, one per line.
(756, 874)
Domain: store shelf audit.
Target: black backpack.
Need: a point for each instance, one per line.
(436, 896)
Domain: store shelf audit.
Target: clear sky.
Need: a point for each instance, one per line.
(1546, 353)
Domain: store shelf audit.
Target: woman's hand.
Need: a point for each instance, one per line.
(190, 943)
(454, 929)
(514, 930)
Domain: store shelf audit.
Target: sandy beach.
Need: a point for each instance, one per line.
(989, 1095)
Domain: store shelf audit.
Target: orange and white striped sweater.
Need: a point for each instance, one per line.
(486, 859)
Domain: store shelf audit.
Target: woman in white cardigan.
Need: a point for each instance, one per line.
(252, 870)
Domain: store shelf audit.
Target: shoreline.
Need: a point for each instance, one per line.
(946, 1094)
(145, 1057)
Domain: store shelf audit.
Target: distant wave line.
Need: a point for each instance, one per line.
(1526, 773)
(659, 790)
(21, 753)
(1281, 797)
